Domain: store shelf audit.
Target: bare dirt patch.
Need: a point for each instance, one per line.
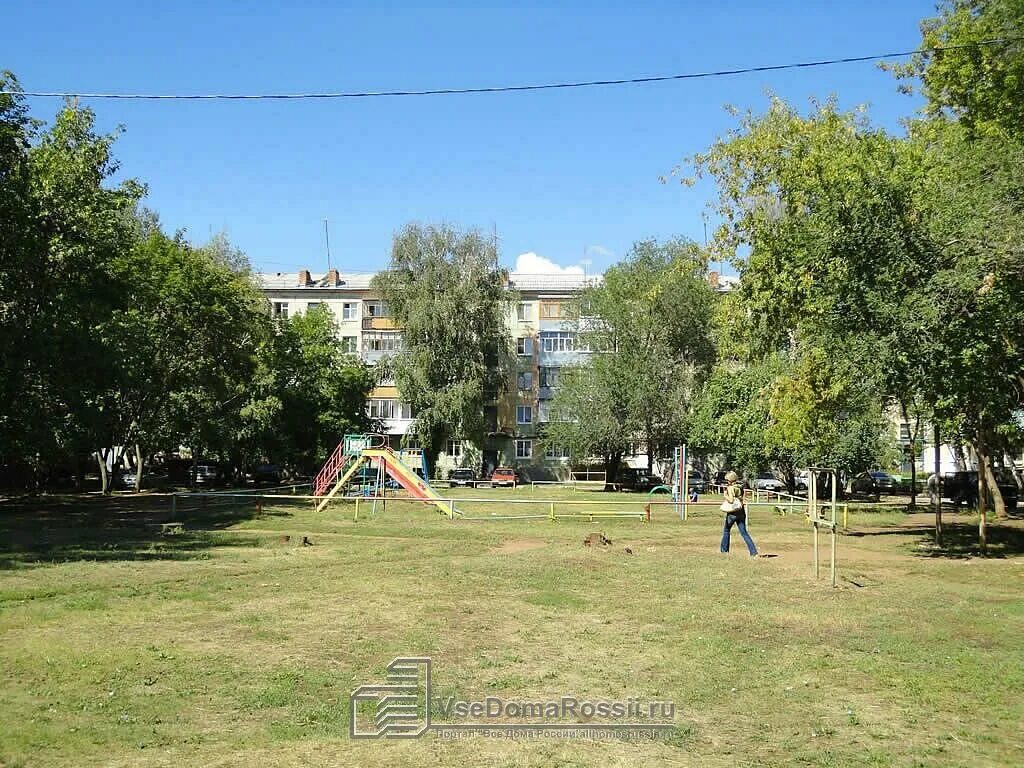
(517, 545)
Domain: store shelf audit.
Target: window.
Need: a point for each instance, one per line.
(382, 341)
(550, 310)
(281, 310)
(523, 311)
(905, 431)
(349, 345)
(382, 409)
(454, 449)
(556, 451)
(549, 377)
(560, 341)
(524, 414)
(406, 411)
(525, 380)
(544, 411)
(524, 346)
(313, 305)
(376, 308)
(524, 449)
(349, 310)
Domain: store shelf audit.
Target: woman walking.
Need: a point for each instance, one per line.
(735, 514)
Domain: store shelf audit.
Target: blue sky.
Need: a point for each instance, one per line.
(565, 174)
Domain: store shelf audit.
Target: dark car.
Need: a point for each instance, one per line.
(206, 473)
(631, 479)
(266, 473)
(962, 488)
(695, 481)
(463, 476)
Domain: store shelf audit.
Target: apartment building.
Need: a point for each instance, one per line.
(544, 343)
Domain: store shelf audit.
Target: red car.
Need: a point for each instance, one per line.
(503, 476)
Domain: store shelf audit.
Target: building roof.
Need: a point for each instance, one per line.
(521, 281)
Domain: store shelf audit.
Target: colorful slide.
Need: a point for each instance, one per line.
(414, 485)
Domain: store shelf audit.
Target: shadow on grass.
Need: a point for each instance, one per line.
(55, 529)
(959, 539)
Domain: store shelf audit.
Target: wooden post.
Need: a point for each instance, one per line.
(551, 512)
(356, 517)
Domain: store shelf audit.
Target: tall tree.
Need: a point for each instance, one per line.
(447, 294)
(647, 325)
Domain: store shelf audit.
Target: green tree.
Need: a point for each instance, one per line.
(447, 294)
(647, 325)
(981, 80)
(306, 393)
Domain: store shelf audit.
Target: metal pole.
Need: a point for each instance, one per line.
(835, 530)
(684, 478)
(174, 506)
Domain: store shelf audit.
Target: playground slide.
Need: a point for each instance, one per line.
(402, 474)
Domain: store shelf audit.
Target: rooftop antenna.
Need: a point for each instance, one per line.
(327, 239)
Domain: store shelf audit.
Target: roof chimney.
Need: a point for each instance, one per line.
(332, 278)
(304, 278)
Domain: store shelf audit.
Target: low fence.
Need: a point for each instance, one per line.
(479, 508)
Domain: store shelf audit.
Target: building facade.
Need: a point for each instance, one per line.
(543, 339)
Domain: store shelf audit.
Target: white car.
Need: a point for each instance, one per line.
(766, 481)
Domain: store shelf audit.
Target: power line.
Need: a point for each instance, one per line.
(509, 88)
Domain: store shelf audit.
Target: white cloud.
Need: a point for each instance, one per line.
(600, 250)
(531, 264)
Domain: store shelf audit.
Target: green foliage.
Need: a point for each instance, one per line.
(447, 294)
(981, 83)
(307, 393)
(648, 324)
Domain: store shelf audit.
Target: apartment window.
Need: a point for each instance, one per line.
(349, 345)
(549, 377)
(376, 308)
(524, 380)
(904, 431)
(524, 346)
(544, 411)
(524, 414)
(550, 310)
(523, 311)
(560, 341)
(281, 309)
(349, 311)
(382, 341)
(524, 449)
(382, 409)
(454, 449)
(555, 451)
(313, 305)
(406, 411)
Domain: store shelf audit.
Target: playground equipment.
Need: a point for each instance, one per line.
(817, 517)
(356, 452)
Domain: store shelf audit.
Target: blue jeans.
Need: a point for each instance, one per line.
(739, 519)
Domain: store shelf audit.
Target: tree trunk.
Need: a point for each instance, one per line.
(79, 473)
(982, 495)
(611, 469)
(938, 487)
(138, 468)
(101, 459)
(913, 475)
(998, 504)
(958, 456)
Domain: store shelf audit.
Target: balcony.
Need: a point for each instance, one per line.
(379, 324)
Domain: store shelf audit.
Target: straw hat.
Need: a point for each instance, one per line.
(731, 477)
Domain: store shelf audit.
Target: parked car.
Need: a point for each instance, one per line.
(638, 479)
(883, 481)
(962, 488)
(207, 474)
(462, 476)
(266, 473)
(766, 481)
(505, 476)
(802, 481)
(695, 481)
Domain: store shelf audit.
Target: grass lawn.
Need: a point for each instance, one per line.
(227, 645)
